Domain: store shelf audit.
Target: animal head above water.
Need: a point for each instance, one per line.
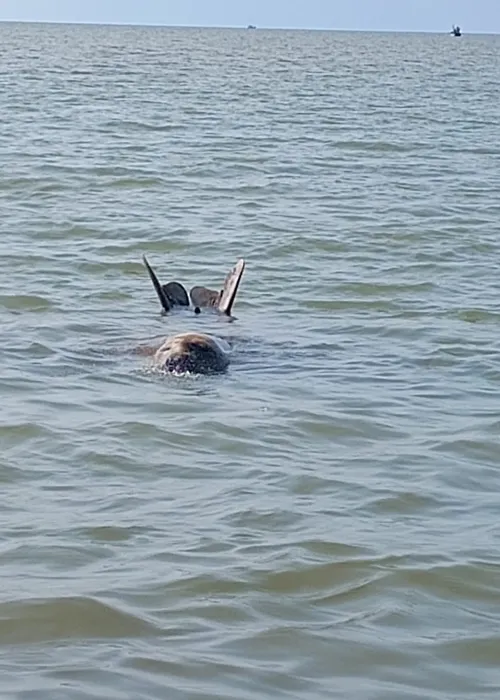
(196, 353)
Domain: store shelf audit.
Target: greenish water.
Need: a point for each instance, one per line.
(321, 522)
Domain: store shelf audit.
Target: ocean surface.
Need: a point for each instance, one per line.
(323, 521)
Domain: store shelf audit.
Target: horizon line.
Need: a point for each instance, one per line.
(232, 26)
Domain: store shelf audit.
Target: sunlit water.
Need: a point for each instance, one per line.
(323, 520)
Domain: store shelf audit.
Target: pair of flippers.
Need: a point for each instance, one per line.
(174, 294)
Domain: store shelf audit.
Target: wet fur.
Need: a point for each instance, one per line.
(196, 353)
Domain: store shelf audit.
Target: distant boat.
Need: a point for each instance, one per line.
(456, 31)
(251, 26)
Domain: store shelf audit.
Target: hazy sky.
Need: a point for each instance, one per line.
(411, 15)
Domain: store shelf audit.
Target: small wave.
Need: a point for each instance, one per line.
(25, 302)
(51, 619)
(377, 146)
(142, 126)
(131, 183)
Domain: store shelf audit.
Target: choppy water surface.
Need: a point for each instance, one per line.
(321, 522)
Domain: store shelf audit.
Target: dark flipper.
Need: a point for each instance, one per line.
(203, 297)
(231, 284)
(166, 305)
(176, 294)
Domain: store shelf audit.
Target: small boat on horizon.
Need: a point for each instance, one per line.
(456, 31)
(251, 26)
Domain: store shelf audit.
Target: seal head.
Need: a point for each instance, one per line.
(196, 353)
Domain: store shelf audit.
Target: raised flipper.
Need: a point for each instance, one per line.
(164, 301)
(176, 294)
(203, 297)
(231, 284)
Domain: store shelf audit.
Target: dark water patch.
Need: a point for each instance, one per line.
(51, 559)
(455, 582)
(407, 503)
(372, 146)
(141, 126)
(478, 316)
(133, 183)
(52, 619)
(484, 451)
(21, 303)
(362, 305)
(16, 433)
(112, 533)
(13, 471)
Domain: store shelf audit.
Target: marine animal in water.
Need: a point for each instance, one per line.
(174, 294)
(194, 353)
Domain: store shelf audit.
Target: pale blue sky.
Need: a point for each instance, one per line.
(406, 15)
